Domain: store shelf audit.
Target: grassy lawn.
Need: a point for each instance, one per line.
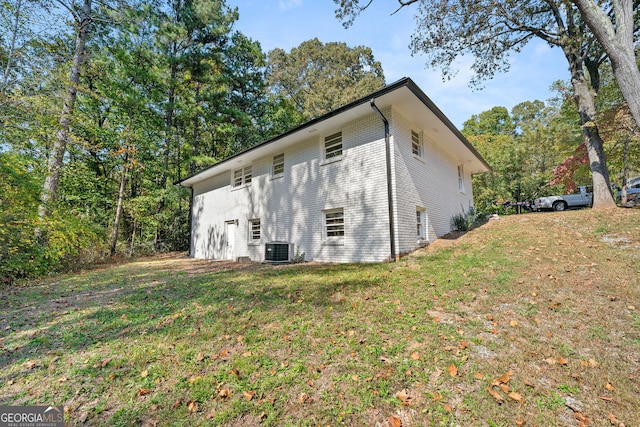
(527, 320)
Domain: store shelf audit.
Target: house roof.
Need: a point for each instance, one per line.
(403, 95)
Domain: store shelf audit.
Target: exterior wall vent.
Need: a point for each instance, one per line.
(278, 252)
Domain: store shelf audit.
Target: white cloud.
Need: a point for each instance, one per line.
(289, 4)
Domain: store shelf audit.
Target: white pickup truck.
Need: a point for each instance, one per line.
(581, 197)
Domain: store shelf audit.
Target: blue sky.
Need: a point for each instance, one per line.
(287, 23)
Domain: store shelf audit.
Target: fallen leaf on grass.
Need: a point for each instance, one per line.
(192, 406)
(30, 364)
(144, 374)
(305, 398)
(513, 323)
(562, 361)
(415, 355)
(211, 414)
(609, 386)
(495, 394)
(176, 404)
(478, 376)
(516, 396)
(447, 408)
(521, 423)
(581, 419)
(606, 398)
(453, 370)
(394, 421)
(404, 397)
(224, 393)
(248, 394)
(503, 379)
(614, 420)
(144, 391)
(200, 357)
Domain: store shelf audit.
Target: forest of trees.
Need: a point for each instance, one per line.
(106, 104)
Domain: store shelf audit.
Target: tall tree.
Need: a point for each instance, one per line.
(82, 16)
(319, 77)
(613, 23)
(490, 30)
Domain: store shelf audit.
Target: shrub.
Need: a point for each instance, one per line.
(464, 220)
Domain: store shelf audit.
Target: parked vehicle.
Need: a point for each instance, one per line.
(581, 197)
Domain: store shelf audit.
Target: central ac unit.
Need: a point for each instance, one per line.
(278, 252)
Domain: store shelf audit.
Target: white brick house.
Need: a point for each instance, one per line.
(369, 181)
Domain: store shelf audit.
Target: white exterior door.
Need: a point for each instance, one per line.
(230, 237)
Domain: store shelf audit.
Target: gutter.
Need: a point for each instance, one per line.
(387, 146)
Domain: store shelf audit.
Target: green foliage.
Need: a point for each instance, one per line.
(523, 149)
(464, 220)
(72, 240)
(319, 77)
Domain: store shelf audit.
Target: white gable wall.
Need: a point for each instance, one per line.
(291, 207)
(429, 182)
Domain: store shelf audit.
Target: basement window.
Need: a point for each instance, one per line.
(334, 223)
(254, 230)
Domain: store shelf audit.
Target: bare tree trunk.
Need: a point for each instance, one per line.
(617, 41)
(133, 238)
(168, 121)
(50, 187)
(602, 198)
(116, 222)
(194, 136)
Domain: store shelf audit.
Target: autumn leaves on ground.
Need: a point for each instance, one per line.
(528, 320)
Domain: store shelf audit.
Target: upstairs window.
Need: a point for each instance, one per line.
(254, 230)
(333, 146)
(461, 178)
(278, 165)
(416, 144)
(334, 223)
(242, 176)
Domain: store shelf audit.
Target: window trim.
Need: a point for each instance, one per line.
(252, 230)
(421, 226)
(333, 143)
(461, 178)
(277, 164)
(417, 144)
(336, 236)
(241, 177)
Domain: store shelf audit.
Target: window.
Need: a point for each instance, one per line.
(254, 230)
(242, 176)
(460, 178)
(416, 144)
(334, 223)
(278, 165)
(419, 223)
(333, 146)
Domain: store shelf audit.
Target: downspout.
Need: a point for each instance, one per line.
(387, 147)
(190, 223)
